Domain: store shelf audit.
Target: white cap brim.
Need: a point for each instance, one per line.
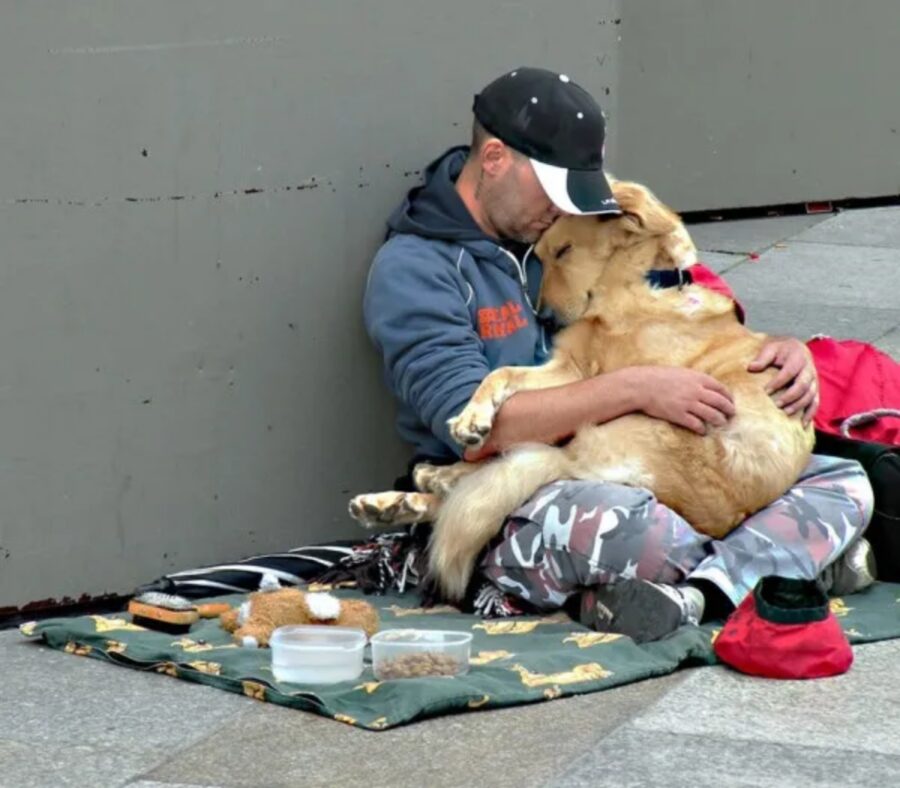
(577, 192)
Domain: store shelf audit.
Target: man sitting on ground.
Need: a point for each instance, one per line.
(451, 296)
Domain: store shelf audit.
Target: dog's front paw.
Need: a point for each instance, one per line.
(376, 510)
(473, 426)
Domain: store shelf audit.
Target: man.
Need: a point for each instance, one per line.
(451, 296)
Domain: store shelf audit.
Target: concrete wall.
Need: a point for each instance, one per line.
(729, 103)
(190, 196)
(191, 193)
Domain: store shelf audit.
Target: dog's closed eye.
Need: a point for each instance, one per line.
(562, 251)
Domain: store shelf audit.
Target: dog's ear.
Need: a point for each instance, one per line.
(642, 213)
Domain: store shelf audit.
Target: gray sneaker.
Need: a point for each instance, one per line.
(641, 610)
(851, 572)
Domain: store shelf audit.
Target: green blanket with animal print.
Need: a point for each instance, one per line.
(518, 660)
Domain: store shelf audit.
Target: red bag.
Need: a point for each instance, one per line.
(785, 630)
(859, 387)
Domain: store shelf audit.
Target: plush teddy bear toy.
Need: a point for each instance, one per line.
(253, 623)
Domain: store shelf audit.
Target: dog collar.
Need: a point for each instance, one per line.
(668, 277)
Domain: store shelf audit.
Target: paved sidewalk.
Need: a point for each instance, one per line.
(832, 274)
(69, 721)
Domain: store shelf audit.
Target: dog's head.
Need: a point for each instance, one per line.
(585, 257)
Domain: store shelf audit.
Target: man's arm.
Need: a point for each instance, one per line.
(435, 361)
(681, 396)
(416, 312)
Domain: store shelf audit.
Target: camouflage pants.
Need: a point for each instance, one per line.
(575, 534)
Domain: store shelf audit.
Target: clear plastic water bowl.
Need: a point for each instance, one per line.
(306, 654)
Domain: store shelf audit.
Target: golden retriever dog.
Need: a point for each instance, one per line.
(595, 281)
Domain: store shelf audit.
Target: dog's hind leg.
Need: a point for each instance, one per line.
(476, 508)
(388, 509)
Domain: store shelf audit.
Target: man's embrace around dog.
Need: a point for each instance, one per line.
(454, 294)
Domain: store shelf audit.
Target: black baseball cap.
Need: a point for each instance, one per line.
(559, 127)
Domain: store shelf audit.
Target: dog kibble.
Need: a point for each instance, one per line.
(426, 663)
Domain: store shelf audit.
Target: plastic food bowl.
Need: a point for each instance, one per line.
(305, 654)
(420, 653)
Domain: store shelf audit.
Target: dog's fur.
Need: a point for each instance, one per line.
(594, 279)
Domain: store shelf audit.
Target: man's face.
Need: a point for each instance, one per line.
(512, 197)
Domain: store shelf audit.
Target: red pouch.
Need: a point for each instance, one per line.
(785, 630)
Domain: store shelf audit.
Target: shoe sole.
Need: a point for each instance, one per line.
(635, 609)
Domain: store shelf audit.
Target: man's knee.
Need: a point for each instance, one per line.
(860, 492)
(848, 485)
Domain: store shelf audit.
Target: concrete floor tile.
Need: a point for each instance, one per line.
(154, 784)
(24, 765)
(890, 344)
(869, 227)
(58, 699)
(856, 711)
(516, 747)
(808, 273)
(806, 320)
(749, 235)
(633, 758)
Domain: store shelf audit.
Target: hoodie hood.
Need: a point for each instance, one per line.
(445, 304)
(434, 209)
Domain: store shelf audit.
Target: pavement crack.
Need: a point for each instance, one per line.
(846, 243)
(729, 252)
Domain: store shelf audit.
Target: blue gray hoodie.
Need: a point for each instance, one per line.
(445, 304)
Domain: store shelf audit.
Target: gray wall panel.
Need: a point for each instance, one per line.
(728, 103)
(185, 377)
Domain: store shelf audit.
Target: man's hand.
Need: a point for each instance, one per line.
(684, 397)
(796, 386)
